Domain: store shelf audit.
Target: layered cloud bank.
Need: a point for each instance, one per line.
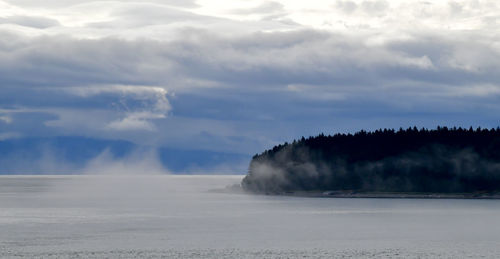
(191, 74)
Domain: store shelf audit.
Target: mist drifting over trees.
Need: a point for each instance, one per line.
(442, 160)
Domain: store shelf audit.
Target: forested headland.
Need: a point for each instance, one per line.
(442, 160)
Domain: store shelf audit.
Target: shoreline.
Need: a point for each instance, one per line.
(388, 195)
(366, 195)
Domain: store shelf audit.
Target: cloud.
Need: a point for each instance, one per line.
(96, 108)
(141, 15)
(375, 7)
(266, 7)
(135, 121)
(199, 75)
(135, 106)
(123, 83)
(68, 3)
(346, 6)
(138, 104)
(278, 58)
(6, 119)
(30, 21)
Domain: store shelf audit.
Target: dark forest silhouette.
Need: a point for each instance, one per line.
(442, 160)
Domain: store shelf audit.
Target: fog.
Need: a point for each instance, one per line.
(138, 162)
(109, 215)
(432, 168)
(107, 180)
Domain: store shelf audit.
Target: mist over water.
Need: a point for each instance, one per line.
(181, 216)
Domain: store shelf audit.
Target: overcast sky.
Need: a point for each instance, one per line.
(244, 75)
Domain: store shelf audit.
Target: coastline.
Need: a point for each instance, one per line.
(388, 195)
(364, 195)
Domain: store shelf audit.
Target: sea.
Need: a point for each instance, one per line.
(173, 216)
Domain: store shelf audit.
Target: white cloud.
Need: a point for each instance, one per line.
(134, 99)
(159, 19)
(30, 21)
(135, 107)
(135, 121)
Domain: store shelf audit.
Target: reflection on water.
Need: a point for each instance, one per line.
(178, 216)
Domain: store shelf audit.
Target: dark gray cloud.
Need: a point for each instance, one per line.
(260, 61)
(245, 91)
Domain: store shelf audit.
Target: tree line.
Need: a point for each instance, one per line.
(447, 160)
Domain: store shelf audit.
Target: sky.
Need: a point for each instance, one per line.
(242, 76)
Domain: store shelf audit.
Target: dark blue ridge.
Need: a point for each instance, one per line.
(18, 156)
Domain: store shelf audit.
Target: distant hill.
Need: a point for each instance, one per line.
(69, 155)
(443, 160)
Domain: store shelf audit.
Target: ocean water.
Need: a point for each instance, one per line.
(183, 217)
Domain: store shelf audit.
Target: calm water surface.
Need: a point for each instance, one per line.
(181, 217)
